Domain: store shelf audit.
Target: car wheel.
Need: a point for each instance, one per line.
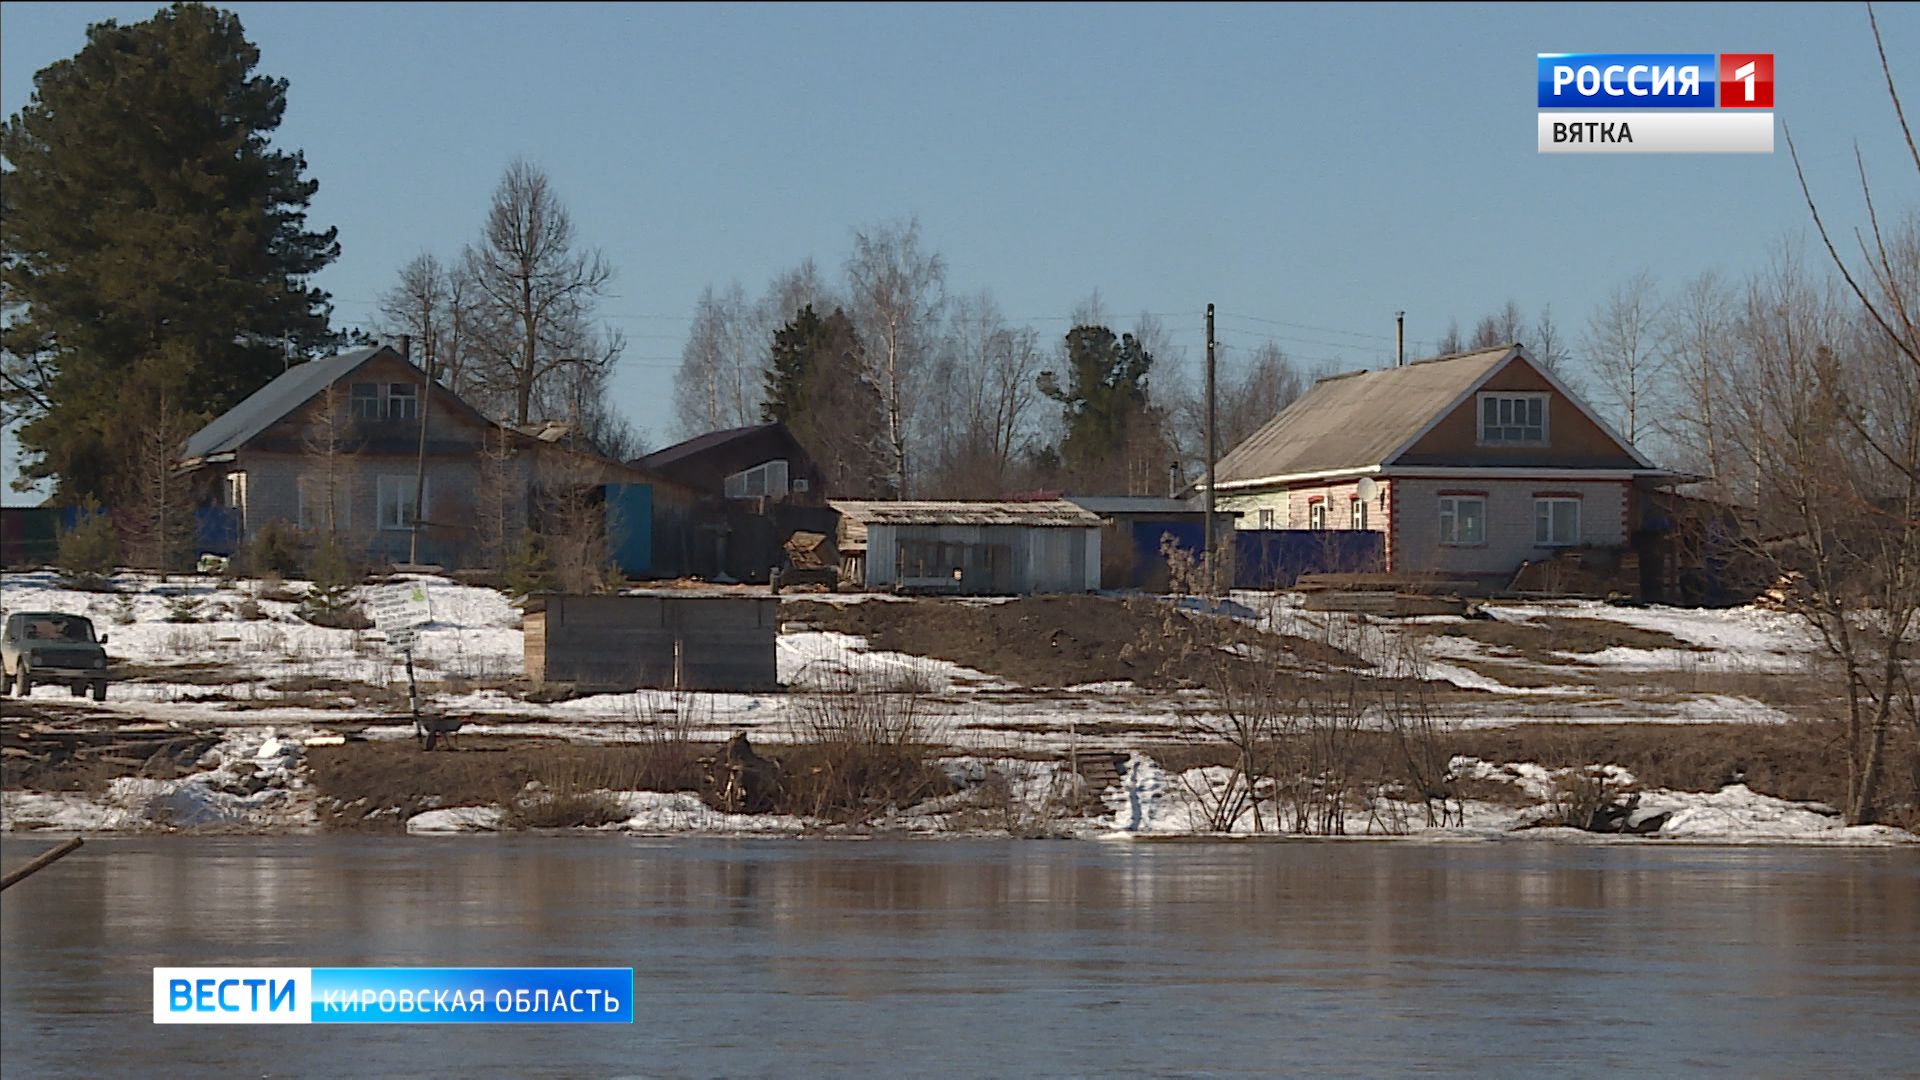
(23, 681)
(100, 690)
(77, 689)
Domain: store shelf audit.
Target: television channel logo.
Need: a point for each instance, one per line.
(1640, 103)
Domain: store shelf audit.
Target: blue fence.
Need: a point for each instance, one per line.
(1275, 558)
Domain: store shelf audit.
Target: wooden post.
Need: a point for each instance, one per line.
(413, 694)
(44, 860)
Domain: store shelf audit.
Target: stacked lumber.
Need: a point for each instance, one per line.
(132, 747)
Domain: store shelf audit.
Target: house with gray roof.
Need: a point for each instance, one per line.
(350, 445)
(1468, 465)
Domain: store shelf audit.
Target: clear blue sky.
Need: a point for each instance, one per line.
(1306, 166)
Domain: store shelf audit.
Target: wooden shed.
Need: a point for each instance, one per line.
(657, 640)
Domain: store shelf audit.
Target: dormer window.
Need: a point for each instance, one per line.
(1513, 419)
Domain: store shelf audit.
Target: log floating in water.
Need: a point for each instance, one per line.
(40, 862)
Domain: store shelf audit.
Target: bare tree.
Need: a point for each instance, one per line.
(1549, 346)
(1828, 420)
(1623, 350)
(722, 366)
(497, 522)
(330, 441)
(536, 292)
(897, 291)
(161, 520)
(1451, 342)
(982, 394)
(1699, 339)
(1500, 328)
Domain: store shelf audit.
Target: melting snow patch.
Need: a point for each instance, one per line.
(457, 819)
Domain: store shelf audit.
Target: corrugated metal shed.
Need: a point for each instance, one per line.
(1053, 513)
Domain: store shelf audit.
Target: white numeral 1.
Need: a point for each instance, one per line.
(1745, 74)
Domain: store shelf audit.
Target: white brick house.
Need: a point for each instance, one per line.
(1470, 464)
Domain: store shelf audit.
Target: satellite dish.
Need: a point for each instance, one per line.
(1367, 488)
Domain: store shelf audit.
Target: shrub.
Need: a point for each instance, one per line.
(89, 551)
(862, 749)
(184, 608)
(329, 601)
(529, 570)
(274, 548)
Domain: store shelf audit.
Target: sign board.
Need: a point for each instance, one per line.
(398, 609)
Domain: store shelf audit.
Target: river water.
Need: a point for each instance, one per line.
(836, 958)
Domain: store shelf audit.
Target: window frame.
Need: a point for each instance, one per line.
(1266, 517)
(1357, 514)
(1317, 516)
(1448, 518)
(1547, 503)
(365, 402)
(397, 393)
(1496, 399)
(403, 502)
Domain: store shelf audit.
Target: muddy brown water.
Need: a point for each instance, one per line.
(839, 958)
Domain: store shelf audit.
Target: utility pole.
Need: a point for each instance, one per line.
(420, 463)
(1212, 453)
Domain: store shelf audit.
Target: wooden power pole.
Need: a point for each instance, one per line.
(1207, 563)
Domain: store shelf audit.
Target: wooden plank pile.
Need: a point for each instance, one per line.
(1387, 595)
(130, 748)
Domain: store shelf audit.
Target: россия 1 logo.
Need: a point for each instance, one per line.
(1686, 103)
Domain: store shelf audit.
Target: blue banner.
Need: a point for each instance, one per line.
(1626, 80)
(472, 995)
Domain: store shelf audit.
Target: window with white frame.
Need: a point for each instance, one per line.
(1317, 515)
(403, 401)
(1357, 514)
(364, 401)
(1463, 520)
(237, 495)
(396, 501)
(767, 478)
(1513, 419)
(316, 493)
(1266, 518)
(1556, 522)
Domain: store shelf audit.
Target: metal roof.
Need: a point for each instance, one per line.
(1359, 420)
(698, 444)
(1134, 504)
(1055, 513)
(271, 403)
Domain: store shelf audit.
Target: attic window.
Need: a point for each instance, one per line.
(366, 401)
(403, 401)
(1513, 419)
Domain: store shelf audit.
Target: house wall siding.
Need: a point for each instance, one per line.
(1574, 440)
(1510, 535)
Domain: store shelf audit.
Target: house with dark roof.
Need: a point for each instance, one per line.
(1469, 465)
(338, 445)
(759, 461)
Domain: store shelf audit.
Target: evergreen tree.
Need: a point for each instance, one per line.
(155, 246)
(1104, 400)
(817, 386)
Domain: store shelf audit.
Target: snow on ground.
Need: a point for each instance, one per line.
(250, 782)
(1151, 801)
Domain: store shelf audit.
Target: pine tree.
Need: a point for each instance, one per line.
(155, 244)
(1104, 401)
(818, 387)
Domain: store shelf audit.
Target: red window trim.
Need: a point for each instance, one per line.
(1316, 498)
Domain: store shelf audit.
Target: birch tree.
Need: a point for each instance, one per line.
(982, 392)
(897, 291)
(1624, 351)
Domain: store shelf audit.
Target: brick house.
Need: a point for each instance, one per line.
(1469, 464)
(336, 444)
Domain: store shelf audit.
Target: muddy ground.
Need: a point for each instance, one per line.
(1054, 641)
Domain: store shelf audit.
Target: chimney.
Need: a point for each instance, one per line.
(406, 346)
(1399, 339)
